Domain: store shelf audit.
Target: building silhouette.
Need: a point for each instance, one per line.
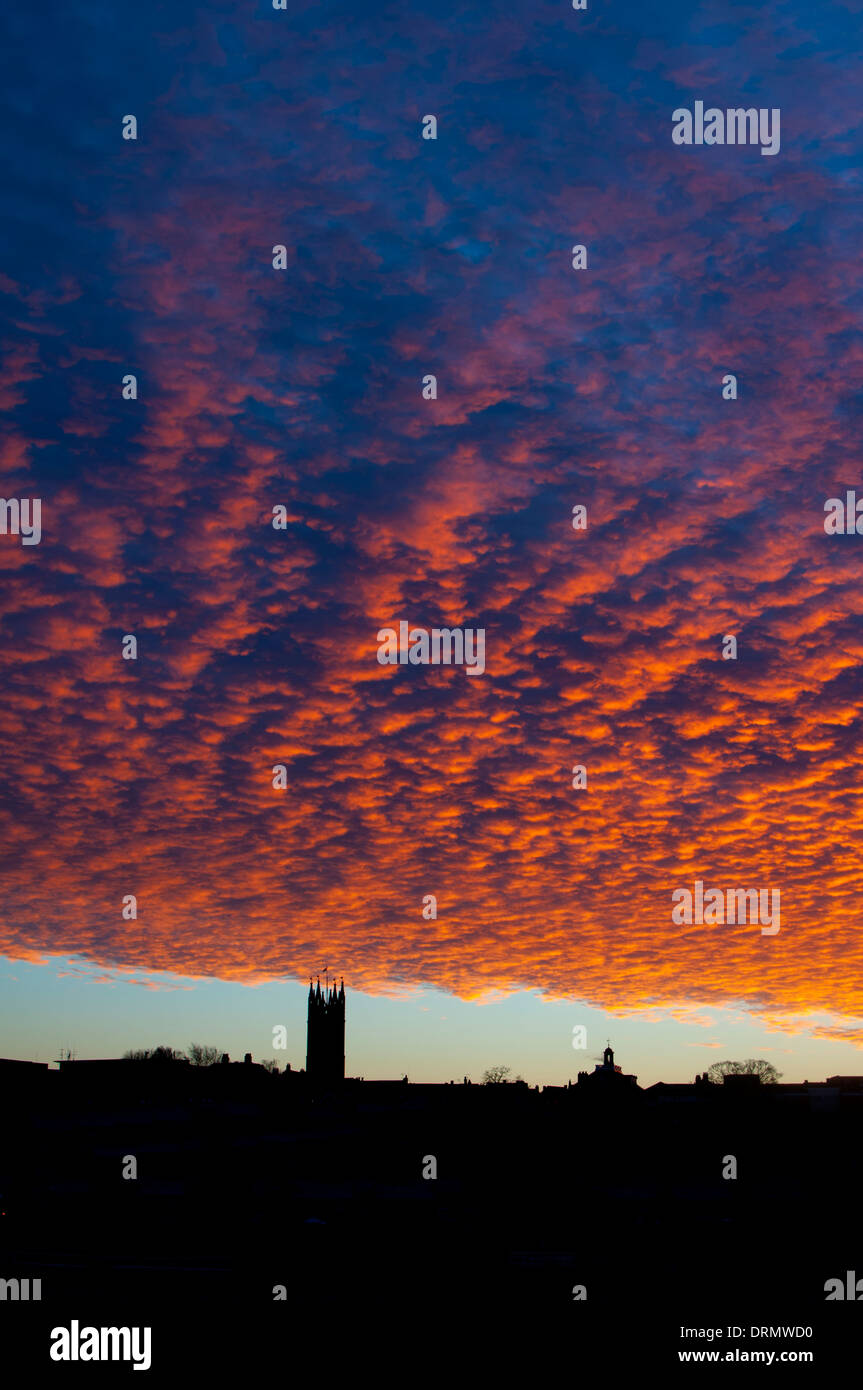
(608, 1078)
(325, 1035)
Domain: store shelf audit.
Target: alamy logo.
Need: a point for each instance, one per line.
(845, 517)
(853, 1288)
(16, 519)
(715, 908)
(735, 126)
(16, 1289)
(415, 646)
(102, 1344)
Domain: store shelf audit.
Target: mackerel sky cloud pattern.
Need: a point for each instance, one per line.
(303, 388)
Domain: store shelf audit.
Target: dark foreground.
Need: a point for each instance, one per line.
(243, 1194)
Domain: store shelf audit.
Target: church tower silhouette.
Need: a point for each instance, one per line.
(325, 1034)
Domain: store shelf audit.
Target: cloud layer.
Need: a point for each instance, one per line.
(302, 388)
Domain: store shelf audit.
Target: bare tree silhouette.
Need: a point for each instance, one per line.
(154, 1054)
(753, 1066)
(495, 1076)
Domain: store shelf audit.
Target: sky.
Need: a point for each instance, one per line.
(302, 388)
